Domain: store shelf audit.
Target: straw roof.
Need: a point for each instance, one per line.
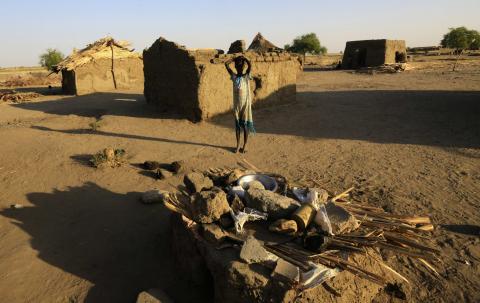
(100, 49)
(262, 45)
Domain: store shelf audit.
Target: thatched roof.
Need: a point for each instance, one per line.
(262, 45)
(99, 49)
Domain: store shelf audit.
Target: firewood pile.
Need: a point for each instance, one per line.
(17, 97)
(321, 232)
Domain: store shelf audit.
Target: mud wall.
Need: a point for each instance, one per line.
(364, 53)
(98, 77)
(394, 50)
(196, 84)
(371, 53)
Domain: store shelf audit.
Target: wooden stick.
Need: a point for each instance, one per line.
(251, 165)
(343, 194)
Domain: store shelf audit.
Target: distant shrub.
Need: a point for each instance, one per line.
(307, 43)
(461, 38)
(50, 58)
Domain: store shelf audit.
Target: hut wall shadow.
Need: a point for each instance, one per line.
(434, 118)
(97, 104)
(107, 238)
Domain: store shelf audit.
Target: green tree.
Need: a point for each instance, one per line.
(50, 58)
(307, 43)
(461, 38)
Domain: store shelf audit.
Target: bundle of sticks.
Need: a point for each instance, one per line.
(401, 234)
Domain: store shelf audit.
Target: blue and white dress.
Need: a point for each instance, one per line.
(242, 102)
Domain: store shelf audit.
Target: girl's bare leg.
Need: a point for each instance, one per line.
(245, 139)
(237, 134)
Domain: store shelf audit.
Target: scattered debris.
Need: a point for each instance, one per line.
(109, 157)
(248, 214)
(16, 206)
(17, 97)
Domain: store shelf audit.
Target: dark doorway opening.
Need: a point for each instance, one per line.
(400, 57)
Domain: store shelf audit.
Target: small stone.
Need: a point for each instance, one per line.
(213, 233)
(152, 196)
(341, 220)
(226, 221)
(109, 153)
(210, 205)
(154, 295)
(177, 166)
(275, 205)
(196, 182)
(163, 173)
(255, 184)
(237, 204)
(151, 165)
(254, 252)
(283, 226)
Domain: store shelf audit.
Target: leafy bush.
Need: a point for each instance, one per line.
(461, 38)
(307, 43)
(50, 58)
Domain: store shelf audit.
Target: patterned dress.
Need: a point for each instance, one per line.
(242, 102)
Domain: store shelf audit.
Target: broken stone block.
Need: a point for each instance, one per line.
(152, 196)
(213, 233)
(154, 295)
(254, 252)
(255, 184)
(275, 205)
(163, 173)
(209, 205)
(237, 46)
(341, 220)
(196, 182)
(283, 226)
(287, 271)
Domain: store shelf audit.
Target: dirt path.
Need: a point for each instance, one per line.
(410, 142)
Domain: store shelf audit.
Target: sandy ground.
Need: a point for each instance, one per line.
(409, 142)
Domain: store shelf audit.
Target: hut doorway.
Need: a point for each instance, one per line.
(400, 57)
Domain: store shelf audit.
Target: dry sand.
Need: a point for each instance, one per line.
(409, 142)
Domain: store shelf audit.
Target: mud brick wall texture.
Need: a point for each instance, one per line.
(196, 84)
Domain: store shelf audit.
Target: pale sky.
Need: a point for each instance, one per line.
(28, 27)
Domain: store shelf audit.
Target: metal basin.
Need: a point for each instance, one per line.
(268, 182)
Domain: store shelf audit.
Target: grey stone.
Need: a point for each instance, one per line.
(254, 252)
(154, 295)
(341, 220)
(275, 205)
(210, 205)
(196, 182)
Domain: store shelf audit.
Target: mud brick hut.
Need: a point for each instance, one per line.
(372, 53)
(102, 66)
(196, 84)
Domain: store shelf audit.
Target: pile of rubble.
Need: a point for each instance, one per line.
(17, 97)
(302, 237)
(384, 69)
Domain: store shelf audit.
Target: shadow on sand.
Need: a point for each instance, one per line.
(434, 118)
(110, 239)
